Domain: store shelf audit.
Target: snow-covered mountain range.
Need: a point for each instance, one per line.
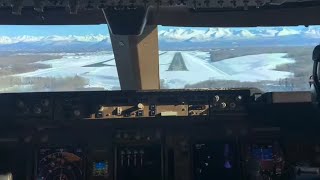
(184, 38)
(26, 38)
(197, 38)
(201, 35)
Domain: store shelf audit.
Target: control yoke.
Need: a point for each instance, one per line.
(316, 54)
(316, 70)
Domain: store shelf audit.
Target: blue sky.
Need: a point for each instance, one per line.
(18, 30)
(45, 30)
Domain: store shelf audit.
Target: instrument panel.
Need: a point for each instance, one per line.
(120, 4)
(161, 135)
(124, 104)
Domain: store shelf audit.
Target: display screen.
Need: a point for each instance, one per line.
(60, 163)
(100, 168)
(214, 160)
(101, 165)
(262, 152)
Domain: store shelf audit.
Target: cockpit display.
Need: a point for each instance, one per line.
(60, 163)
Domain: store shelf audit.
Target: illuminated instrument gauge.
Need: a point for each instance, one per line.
(60, 164)
(101, 168)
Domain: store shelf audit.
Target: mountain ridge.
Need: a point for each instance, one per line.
(171, 38)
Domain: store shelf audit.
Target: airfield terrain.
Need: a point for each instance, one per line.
(178, 69)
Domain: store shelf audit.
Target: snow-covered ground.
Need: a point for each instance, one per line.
(245, 68)
(100, 69)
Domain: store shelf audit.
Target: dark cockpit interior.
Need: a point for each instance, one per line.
(145, 129)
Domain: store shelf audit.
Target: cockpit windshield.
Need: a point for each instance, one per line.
(77, 58)
(268, 58)
(56, 58)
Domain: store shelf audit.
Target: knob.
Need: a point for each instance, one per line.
(223, 105)
(20, 104)
(233, 105)
(76, 112)
(239, 98)
(45, 102)
(216, 98)
(37, 110)
(138, 137)
(140, 106)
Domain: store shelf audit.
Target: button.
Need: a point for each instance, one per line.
(139, 113)
(20, 104)
(223, 105)
(152, 113)
(239, 98)
(45, 102)
(140, 106)
(233, 105)
(76, 112)
(138, 137)
(152, 107)
(99, 115)
(216, 98)
(37, 110)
